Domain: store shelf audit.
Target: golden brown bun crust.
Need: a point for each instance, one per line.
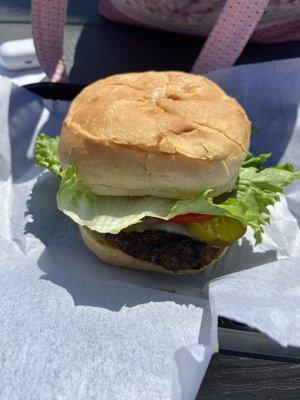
(115, 256)
(167, 134)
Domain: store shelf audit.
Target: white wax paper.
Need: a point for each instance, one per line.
(72, 327)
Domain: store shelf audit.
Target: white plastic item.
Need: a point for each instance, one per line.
(16, 55)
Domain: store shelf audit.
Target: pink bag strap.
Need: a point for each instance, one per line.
(229, 36)
(225, 43)
(48, 22)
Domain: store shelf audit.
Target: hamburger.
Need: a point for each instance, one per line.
(155, 169)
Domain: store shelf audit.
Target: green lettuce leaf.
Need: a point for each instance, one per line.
(105, 214)
(256, 189)
(46, 153)
(257, 161)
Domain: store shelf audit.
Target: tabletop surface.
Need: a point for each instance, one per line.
(95, 48)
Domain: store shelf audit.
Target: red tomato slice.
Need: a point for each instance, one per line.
(190, 217)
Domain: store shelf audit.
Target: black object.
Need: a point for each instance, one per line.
(234, 338)
(55, 91)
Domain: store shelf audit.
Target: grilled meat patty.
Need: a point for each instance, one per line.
(170, 250)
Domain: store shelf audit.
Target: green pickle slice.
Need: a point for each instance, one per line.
(219, 231)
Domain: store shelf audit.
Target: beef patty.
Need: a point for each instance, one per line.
(170, 250)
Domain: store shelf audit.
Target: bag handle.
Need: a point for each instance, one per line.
(236, 23)
(225, 43)
(48, 19)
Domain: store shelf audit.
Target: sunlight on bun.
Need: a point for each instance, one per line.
(166, 134)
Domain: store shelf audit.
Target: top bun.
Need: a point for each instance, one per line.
(167, 134)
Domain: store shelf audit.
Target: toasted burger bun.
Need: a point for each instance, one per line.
(115, 256)
(167, 134)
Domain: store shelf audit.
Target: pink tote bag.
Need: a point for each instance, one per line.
(228, 24)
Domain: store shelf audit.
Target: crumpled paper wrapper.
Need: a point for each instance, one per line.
(73, 327)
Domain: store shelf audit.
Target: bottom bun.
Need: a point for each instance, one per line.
(112, 255)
